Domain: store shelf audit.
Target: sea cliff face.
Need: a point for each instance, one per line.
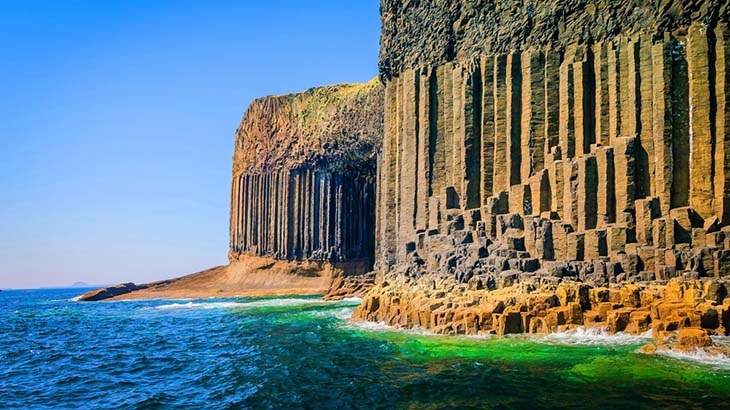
(302, 200)
(531, 145)
(304, 170)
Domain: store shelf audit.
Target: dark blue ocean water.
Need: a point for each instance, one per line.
(301, 353)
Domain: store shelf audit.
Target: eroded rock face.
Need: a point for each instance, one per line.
(304, 171)
(532, 145)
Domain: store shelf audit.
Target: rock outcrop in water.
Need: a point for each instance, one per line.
(247, 276)
(110, 292)
(529, 145)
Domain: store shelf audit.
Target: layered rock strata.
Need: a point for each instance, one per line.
(535, 144)
(304, 171)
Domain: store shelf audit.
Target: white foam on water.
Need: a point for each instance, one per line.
(593, 336)
(480, 337)
(578, 336)
(192, 305)
(721, 340)
(599, 336)
(372, 326)
(147, 300)
(697, 355)
(379, 327)
(283, 302)
(383, 327)
(343, 314)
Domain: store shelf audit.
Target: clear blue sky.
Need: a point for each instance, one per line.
(117, 122)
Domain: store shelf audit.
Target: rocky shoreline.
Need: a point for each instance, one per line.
(517, 168)
(681, 314)
(574, 175)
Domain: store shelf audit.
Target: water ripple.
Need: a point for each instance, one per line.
(301, 352)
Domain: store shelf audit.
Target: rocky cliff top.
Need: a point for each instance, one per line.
(431, 32)
(332, 127)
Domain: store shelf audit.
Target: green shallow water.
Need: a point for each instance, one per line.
(299, 352)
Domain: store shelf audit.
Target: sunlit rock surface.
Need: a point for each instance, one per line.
(532, 148)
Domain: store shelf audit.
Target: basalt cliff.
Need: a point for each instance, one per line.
(548, 165)
(302, 200)
(520, 167)
(304, 173)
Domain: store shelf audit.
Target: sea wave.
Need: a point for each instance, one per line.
(697, 355)
(721, 340)
(343, 314)
(205, 305)
(282, 302)
(577, 336)
(353, 300)
(593, 336)
(416, 331)
(384, 327)
(297, 359)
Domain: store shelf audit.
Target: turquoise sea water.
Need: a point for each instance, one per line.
(301, 353)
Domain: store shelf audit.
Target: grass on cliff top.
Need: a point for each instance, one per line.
(314, 112)
(333, 91)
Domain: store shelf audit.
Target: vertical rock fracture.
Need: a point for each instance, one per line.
(304, 171)
(576, 148)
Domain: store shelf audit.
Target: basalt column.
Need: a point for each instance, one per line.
(571, 168)
(615, 139)
(304, 175)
